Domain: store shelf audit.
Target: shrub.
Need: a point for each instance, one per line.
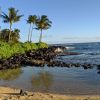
(9, 49)
(29, 46)
(42, 45)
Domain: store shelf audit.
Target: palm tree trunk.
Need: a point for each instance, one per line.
(29, 33)
(10, 32)
(0, 20)
(40, 36)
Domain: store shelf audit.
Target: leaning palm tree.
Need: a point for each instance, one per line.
(43, 23)
(11, 18)
(32, 21)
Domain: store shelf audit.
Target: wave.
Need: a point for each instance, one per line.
(70, 48)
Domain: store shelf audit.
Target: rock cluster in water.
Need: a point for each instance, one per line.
(40, 58)
(32, 58)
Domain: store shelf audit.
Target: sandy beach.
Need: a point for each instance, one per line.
(7, 93)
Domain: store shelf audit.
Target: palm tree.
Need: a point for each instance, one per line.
(29, 21)
(0, 20)
(43, 23)
(32, 21)
(11, 18)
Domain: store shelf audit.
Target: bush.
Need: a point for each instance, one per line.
(14, 37)
(9, 49)
(5, 50)
(42, 45)
(29, 46)
(17, 48)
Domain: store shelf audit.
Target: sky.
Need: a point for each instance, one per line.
(72, 20)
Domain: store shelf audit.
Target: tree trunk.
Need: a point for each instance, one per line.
(0, 20)
(10, 32)
(29, 33)
(40, 36)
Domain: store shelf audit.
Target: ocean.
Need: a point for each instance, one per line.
(89, 53)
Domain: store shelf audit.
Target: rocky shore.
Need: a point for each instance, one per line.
(40, 58)
(7, 93)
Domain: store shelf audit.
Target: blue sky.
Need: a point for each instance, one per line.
(72, 20)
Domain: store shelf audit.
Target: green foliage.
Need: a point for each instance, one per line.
(5, 50)
(29, 46)
(17, 48)
(42, 45)
(14, 37)
(43, 23)
(11, 18)
(9, 49)
(32, 21)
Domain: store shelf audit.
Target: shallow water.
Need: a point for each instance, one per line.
(55, 80)
(61, 80)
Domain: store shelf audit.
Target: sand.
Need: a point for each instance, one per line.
(7, 93)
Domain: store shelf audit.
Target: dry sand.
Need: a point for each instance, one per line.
(7, 93)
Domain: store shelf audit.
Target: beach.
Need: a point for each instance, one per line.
(7, 93)
(60, 64)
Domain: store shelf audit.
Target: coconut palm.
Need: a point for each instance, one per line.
(0, 20)
(43, 23)
(11, 18)
(32, 21)
(29, 21)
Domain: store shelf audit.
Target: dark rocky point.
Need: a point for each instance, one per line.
(39, 58)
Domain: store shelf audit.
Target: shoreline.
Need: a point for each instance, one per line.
(8, 93)
(42, 57)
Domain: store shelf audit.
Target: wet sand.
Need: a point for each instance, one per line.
(7, 93)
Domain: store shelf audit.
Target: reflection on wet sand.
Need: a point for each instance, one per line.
(42, 79)
(10, 74)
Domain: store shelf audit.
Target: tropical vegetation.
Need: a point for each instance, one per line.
(32, 21)
(11, 17)
(14, 37)
(43, 23)
(9, 37)
(9, 49)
